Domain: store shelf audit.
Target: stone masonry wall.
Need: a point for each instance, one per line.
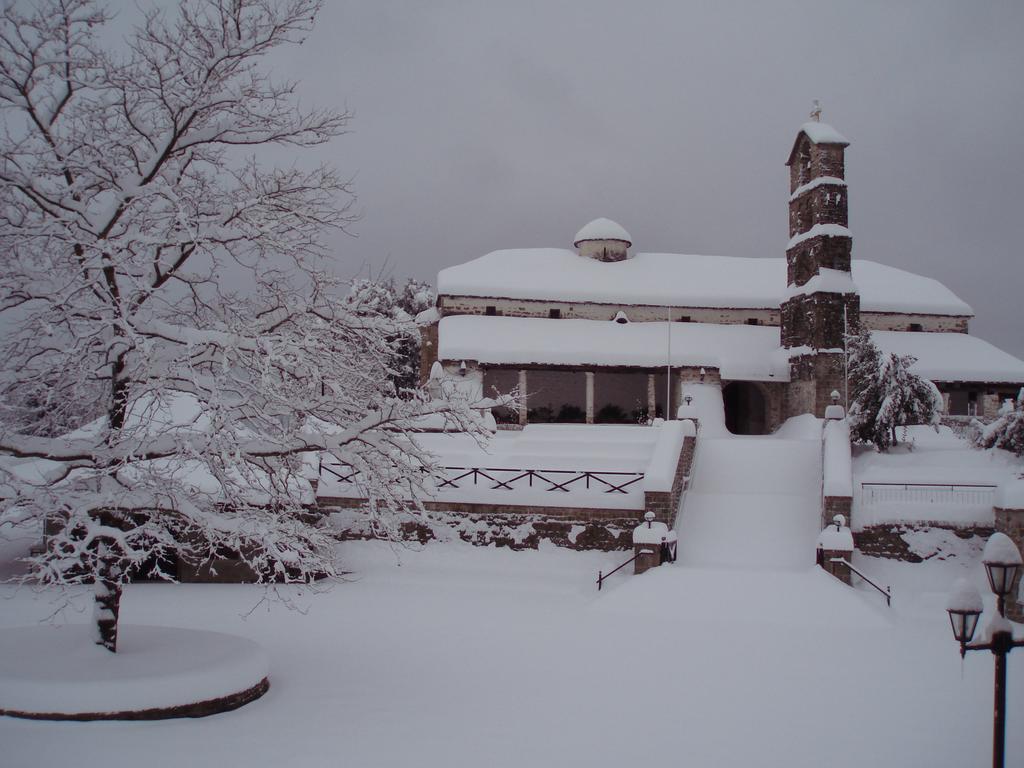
(477, 305)
(428, 350)
(836, 505)
(472, 305)
(1011, 522)
(816, 320)
(895, 540)
(900, 321)
(804, 258)
(665, 504)
(825, 204)
(516, 530)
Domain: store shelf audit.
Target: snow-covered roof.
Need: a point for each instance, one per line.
(556, 274)
(823, 133)
(952, 356)
(747, 352)
(602, 229)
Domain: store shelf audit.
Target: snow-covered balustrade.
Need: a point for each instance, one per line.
(836, 467)
(973, 500)
(561, 467)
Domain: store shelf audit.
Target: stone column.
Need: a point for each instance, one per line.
(522, 397)
(652, 396)
(590, 397)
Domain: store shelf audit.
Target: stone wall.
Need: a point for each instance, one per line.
(1011, 522)
(836, 505)
(812, 380)
(804, 259)
(665, 504)
(876, 321)
(516, 530)
(474, 305)
(902, 321)
(822, 205)
(817, 320)
(901, 541)
(810, 161)
(428, 350)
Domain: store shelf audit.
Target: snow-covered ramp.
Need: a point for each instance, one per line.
(754, 502)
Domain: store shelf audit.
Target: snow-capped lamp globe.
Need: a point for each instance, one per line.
(1002, 561)
(603, 240)
(964, 607)
(649, 517)
(839, 521)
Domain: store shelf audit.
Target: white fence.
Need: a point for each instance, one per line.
(925, 494)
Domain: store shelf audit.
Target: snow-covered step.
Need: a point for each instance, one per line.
(753, 503)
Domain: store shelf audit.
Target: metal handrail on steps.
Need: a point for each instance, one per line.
(601, 577)
(886, 593)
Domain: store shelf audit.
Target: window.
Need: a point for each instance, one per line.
(916, 327)
(554, 314)
(684, 319)
(490, 310)
(753, 321)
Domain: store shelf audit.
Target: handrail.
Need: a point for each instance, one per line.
(886, 593)
(601, 577)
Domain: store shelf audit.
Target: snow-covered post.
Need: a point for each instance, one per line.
(1009, 519)
(653, 544)
(590, 397)
(835, 548)
(836, 464)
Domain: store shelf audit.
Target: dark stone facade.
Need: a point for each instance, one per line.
(887, 540)
(805, 258)
(809, 161)
(1011, 522)
(825, 204)
(817, 320)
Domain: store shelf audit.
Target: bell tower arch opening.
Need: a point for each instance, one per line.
(746, 412)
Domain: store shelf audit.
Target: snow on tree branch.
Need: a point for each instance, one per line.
(177, 352)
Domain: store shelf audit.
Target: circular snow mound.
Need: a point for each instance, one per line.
(59, 673)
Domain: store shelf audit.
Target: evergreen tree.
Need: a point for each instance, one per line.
(1006, 432)
(885, 394)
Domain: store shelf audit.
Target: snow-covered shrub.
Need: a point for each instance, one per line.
(1006, 431)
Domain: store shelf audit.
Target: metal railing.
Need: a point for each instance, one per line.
(602, 576)
(886, 592)
(506, 478)
(960, 494)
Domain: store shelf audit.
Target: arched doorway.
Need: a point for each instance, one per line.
(745, 411)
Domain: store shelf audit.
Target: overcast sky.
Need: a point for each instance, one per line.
(480, 126)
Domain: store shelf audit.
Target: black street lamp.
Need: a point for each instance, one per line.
(1002, 561)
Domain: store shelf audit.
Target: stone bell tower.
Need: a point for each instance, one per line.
(821, 298)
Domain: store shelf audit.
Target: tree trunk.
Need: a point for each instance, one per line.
(107, 593)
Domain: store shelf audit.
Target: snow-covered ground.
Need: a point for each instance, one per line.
(464, 656)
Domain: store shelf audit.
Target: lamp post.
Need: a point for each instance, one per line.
(1002, 561)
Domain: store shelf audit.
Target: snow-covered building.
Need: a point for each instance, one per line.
(602, 333)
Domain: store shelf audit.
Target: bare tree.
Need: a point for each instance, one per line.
(154, 272)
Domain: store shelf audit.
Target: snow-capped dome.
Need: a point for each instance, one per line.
(602, 229)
